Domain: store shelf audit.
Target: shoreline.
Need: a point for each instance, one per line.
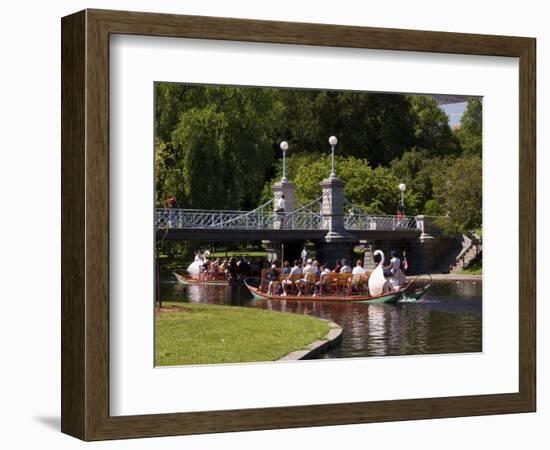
(442, 277)
(316, 348)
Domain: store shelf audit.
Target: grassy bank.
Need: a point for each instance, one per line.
(190, 333)
(474, 269)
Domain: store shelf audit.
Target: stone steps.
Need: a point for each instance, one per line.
(466, 259)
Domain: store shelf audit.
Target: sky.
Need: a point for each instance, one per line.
(454, 111)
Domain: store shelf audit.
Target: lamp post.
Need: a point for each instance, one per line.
(332, 141)
(284, 148)
(402, 188)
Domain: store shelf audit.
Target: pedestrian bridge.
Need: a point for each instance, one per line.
(306, 222)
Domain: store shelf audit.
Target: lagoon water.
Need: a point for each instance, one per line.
(447, 320)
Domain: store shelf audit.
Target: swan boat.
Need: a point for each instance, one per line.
(195, 275)
(388, 297)
(194, 280)
(340, 287)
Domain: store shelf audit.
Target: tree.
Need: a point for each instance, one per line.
(378, 127)
(373, 190)
(458, 192)
(432, 130)
(219, 150)
(470, 131)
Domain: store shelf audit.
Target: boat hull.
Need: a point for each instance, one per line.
(391, 297)
(189, 281)
(416, 293)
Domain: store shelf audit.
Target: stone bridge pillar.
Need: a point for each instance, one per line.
(338, 242)
(287, 189)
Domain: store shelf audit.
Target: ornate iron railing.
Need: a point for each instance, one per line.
(370, 222)
(264, 219)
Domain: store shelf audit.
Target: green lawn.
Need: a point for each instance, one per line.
(194, 333)
(473, 269)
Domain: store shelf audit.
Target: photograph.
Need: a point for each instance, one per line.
(296, 224)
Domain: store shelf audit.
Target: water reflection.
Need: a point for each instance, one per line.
(447, 320)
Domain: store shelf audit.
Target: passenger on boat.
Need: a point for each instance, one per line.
(346, 268)
(295, 274)
(358, 277)
(286, 268)
(297, 269)
(243, 268)
(316, 267)
(324, 280)
(232, 270)
(223, 265)
(337, 267)
(274, 286)
(214, 269)
(205, 268)
(397, 277)
(358, 269)
(309, 268)
(309, 272)
(254, 267)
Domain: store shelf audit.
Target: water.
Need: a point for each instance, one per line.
(446, 320)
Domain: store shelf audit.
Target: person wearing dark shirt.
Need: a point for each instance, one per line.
(232, 270)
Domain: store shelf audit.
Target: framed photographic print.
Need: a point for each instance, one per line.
(271, 225)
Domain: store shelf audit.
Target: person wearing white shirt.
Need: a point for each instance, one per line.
(280, 210)
(358, 269)
(310, 268)
(295, 272)
(345, 267)
(397, 278)
(395, 263)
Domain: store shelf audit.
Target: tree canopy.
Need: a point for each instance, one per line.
(458, 192)
(374, 190)
(218, 146)
(470, 131)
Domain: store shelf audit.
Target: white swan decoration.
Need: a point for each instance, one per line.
(195, 267)
(378, 284)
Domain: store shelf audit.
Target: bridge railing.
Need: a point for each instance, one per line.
(379, 222)
(267, 220)
(193, 218)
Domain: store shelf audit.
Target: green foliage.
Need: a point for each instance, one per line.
(474, 268)
(294, 161)
(415, 168)
(458, 189)
(219, 151)
(432, 130)
(217, 147)
(373, 190)
(470, 132)
(378, 127)
(432, 208)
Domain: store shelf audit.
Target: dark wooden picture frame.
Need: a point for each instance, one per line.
(85, 224)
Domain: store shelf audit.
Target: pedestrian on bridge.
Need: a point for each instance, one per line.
(280, 209)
